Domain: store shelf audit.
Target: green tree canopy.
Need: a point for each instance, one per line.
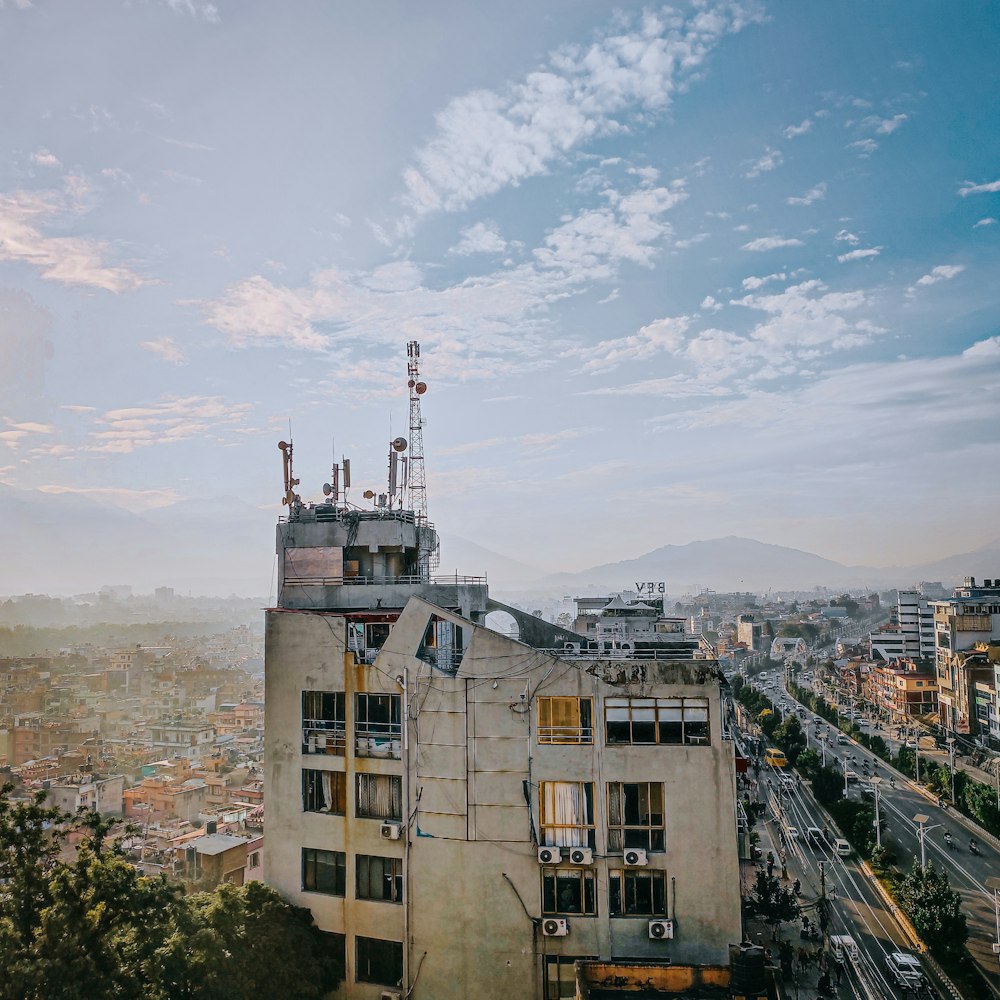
(935, 909)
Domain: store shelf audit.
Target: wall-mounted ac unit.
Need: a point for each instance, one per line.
(552, 927)
(391, 831)
(390, 995)
(549, 855)
(571, 647)
(635, 857)
(661, 930)
(581, 856)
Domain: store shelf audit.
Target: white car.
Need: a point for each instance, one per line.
(792, 832)
(906, 970)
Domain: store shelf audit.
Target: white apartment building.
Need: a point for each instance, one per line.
(912, 637)
(466, 814)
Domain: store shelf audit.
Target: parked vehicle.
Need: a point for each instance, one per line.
(844, 946)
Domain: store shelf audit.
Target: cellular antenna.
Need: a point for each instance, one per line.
(416, 474)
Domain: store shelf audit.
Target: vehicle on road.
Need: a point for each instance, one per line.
(792, 833)
(787, 782)
(775, 757)
(815, 836)
(907, 972)
(844, 946)
(851, 775)
(842, 740)
(842, 847)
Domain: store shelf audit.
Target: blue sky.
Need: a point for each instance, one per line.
(677, 273)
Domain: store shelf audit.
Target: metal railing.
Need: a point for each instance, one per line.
(320, 736)
(378, 739)
(383, 581)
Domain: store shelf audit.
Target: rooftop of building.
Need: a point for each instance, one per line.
(212, 844)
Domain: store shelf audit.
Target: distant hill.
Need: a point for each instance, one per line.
(471, 559)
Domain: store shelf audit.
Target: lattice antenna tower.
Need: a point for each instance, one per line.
(417, 474)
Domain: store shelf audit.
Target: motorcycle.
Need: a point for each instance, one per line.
(973, 847)
(948, 842)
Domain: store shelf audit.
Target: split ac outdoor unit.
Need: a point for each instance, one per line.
(551, 927)
(391, 831)
(581, 856)
(571, 647)
(635, 857)
(549, 855)
(661, 930)
(390, 995)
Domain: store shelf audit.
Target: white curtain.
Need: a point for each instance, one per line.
(327, 778)
(565, 809)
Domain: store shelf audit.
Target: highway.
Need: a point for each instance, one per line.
(899, 801)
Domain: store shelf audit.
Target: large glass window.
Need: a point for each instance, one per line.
(380, 796)
(560, 975)
(657, 720)
(635, 815)
(377, 728)
(379, 962)
(567, 813)
(324, 791)
(638, 893)
(324, 871)
(324, 722)
(379, 878)
(566, 891)
(565, 720)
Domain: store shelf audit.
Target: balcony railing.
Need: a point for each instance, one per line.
(384, 581)
(379, 739)
(321, 736)
(565, 734)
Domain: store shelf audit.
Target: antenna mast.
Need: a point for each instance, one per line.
(417, 484)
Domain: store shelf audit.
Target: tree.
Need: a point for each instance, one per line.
(768, 722)
(770, 901)
(827, 785)
(935, 909)
(790, 738)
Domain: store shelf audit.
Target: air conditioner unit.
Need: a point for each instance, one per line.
(391, 831)
(571, 647)
(661, 930)
(635, 857)
(552, 927)
(549, 855)
(390, 995)
(581, 856)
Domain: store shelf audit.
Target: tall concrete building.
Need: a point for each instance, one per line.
(912, 634)
(468, 814)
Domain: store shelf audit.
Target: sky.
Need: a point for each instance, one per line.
(721, 268)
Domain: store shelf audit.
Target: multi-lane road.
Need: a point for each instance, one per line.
(899, 802)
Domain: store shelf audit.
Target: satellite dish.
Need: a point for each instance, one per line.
(399, 444)
(421, 388)
(368, 494)
(282, 446)
(411, 383)
(327, 489)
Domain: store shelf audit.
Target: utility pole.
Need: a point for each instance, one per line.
(876, 781)
(951, 757)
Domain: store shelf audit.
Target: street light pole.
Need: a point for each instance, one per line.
(876, 781)
(951, 758)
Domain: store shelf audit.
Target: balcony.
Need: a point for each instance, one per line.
(321, 736)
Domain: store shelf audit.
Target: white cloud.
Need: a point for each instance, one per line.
(487, 140)
(844, 236)
(968, 188)
(15, 431)
(196, 8)
(70, 260)
(793, 131)
(763, 243)
(770, 160)
(45, 159)
(817, 193)
(859, 254)
(119, 496)
(483, 237)
(884, 126)
(709, 304)
(988, 221)
(166, 348)
(691, 241)
(865, 147)
(661, 335)
(943, 272)
(752, 283)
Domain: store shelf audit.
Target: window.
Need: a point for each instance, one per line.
(379, 878)
(324, 871)
(637, 893)
(324, 791)
(377, 729)
(380, 796)
(335, 951)
(324, 723)
(254, 860)
(378, 961)
(560, 975)
(657, 720)
(566, 891)
(565, 720)
(635, 815)
(567, 813)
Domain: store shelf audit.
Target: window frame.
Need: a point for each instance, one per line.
(549, 734)
(312, 790)
(336, 860)
(391, 877)
(657, 733)
(649, 836)
(322, 734)
(370, 976)
(558, 962)
(383, 739)
(578, 834)
(395, 780)
(622, 876)
(551, 894)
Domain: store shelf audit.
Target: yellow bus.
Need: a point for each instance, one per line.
(775, 757)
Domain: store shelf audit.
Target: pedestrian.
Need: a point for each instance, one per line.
(797, 887)
(784, 871)
(838, 971)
